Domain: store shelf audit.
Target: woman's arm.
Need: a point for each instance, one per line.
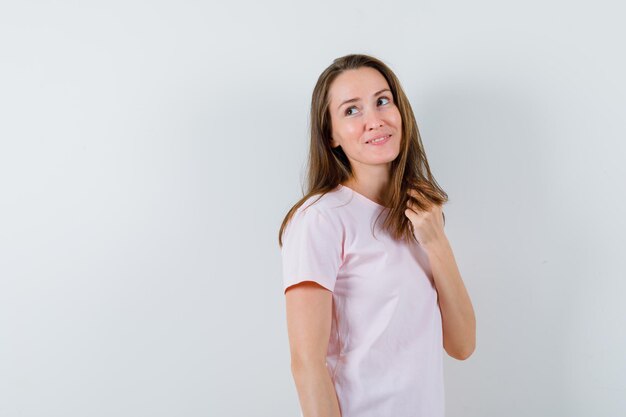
(457, 313)
(309, 312)
(459, 322)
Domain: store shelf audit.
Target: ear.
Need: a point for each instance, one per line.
(333, 143)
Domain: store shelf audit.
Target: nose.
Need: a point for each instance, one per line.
(373, 120)
(374, 123)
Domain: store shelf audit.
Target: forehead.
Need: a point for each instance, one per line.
(361, 83)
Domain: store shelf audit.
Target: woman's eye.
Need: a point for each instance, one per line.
(353, 107)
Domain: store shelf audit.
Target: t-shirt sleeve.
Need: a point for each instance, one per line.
(312, 249)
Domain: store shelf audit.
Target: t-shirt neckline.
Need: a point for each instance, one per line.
(362, 197)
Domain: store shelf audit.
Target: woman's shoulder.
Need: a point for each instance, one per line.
(318, 216)
(326, 203)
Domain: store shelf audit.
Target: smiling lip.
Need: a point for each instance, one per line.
(382, 142)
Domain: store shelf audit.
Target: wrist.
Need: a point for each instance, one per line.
(436, 245)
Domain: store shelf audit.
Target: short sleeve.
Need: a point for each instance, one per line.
(312, 249)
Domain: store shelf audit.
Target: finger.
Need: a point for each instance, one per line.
(412, 215)
(412, 206)
(415, 207)
(414, 192)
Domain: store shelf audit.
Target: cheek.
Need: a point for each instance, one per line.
(397, 118)
(351, 130)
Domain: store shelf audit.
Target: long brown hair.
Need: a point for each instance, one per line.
(327, 167)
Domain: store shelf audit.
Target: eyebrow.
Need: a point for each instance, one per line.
(357, 98)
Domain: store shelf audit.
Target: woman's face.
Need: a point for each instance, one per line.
(370, 113)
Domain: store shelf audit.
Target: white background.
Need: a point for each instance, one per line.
(150, 150)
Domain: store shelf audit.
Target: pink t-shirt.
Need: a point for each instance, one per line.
(385, 352)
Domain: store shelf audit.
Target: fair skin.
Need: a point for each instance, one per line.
(457, 313)
(370, 113)
(354, 123)
(309, 314)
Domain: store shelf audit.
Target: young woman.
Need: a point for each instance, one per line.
(370, 305)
